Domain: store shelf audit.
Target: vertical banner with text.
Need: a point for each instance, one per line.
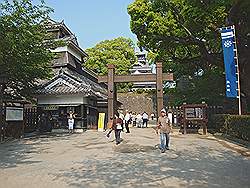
(228, 40)
(101, 121)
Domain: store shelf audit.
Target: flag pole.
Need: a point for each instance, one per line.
(238, 70)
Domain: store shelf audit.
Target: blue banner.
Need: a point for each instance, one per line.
(227, 36)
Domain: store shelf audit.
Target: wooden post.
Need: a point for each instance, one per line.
(238, 72)
(82, 116)
(115, 100)
(205, 117)
(111, 71)
(185, 122)
(159, 88)
(185, 127)
(1, 116)
(204, 124)
(2, 127)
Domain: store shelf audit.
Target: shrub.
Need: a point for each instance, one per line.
(216, 122)
(234, 125)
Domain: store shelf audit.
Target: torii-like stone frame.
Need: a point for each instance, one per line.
(111, 79)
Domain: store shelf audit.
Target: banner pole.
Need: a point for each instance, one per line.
(238, 70)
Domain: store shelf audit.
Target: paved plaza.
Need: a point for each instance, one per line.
(90, 159)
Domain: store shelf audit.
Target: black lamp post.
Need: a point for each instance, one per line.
(3, 81)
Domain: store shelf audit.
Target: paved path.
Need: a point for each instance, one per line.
(91, 160)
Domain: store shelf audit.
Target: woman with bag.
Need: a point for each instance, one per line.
(117, 127)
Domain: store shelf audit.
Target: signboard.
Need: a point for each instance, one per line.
(101, 121)
(50, 108)
(14, 114)
(193, 113)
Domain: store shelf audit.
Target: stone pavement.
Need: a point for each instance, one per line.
(90, 159)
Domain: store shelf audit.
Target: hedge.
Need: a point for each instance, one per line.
(233, 125)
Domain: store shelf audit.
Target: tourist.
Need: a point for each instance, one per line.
(139, 120)
(42, 121)
(130, 118)
(144, 119)
(71, 121)
(152, 116)
(127, 119)
(117, 127)
(121, 116)
(133, 119)
(165, 128)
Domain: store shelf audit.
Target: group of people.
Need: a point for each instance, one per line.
(139, 120)
(163, 128)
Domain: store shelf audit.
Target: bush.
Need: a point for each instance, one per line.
(234, 125)
(216, 122)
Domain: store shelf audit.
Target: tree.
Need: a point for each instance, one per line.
(239, 15)
(24, 46)
(119, 51)
(184, 34)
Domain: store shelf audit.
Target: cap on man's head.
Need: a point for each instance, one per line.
(163, 110)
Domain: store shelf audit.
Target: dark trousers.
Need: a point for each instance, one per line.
(118, 136)
(126, 126)
(110, 131)
(145, 123)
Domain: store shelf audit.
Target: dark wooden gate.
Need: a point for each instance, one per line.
(30, 119)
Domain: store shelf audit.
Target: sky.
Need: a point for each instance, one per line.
(93, 20)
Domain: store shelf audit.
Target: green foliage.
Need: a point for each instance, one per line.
(198, 89)
(184, 35)
(216, 122)
(234, 125)
(24, 52)
(119, 51)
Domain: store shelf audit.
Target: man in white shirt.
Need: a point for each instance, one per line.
(145, 119)
(139, 120)
(127, 119)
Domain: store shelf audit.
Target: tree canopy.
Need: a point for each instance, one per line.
(118, 51)
(184, 35)
(24, 46)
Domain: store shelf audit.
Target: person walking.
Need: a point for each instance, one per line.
(152, 116)
(127, 119)
(145, 119)
(134, 119)
(117, 127)
(165, 128)
(139, 120)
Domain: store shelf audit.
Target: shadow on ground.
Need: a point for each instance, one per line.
(18, 152)
(146, 167)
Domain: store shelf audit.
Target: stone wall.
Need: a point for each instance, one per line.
(137, 103)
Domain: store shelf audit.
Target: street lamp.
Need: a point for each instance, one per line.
(3, 81)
